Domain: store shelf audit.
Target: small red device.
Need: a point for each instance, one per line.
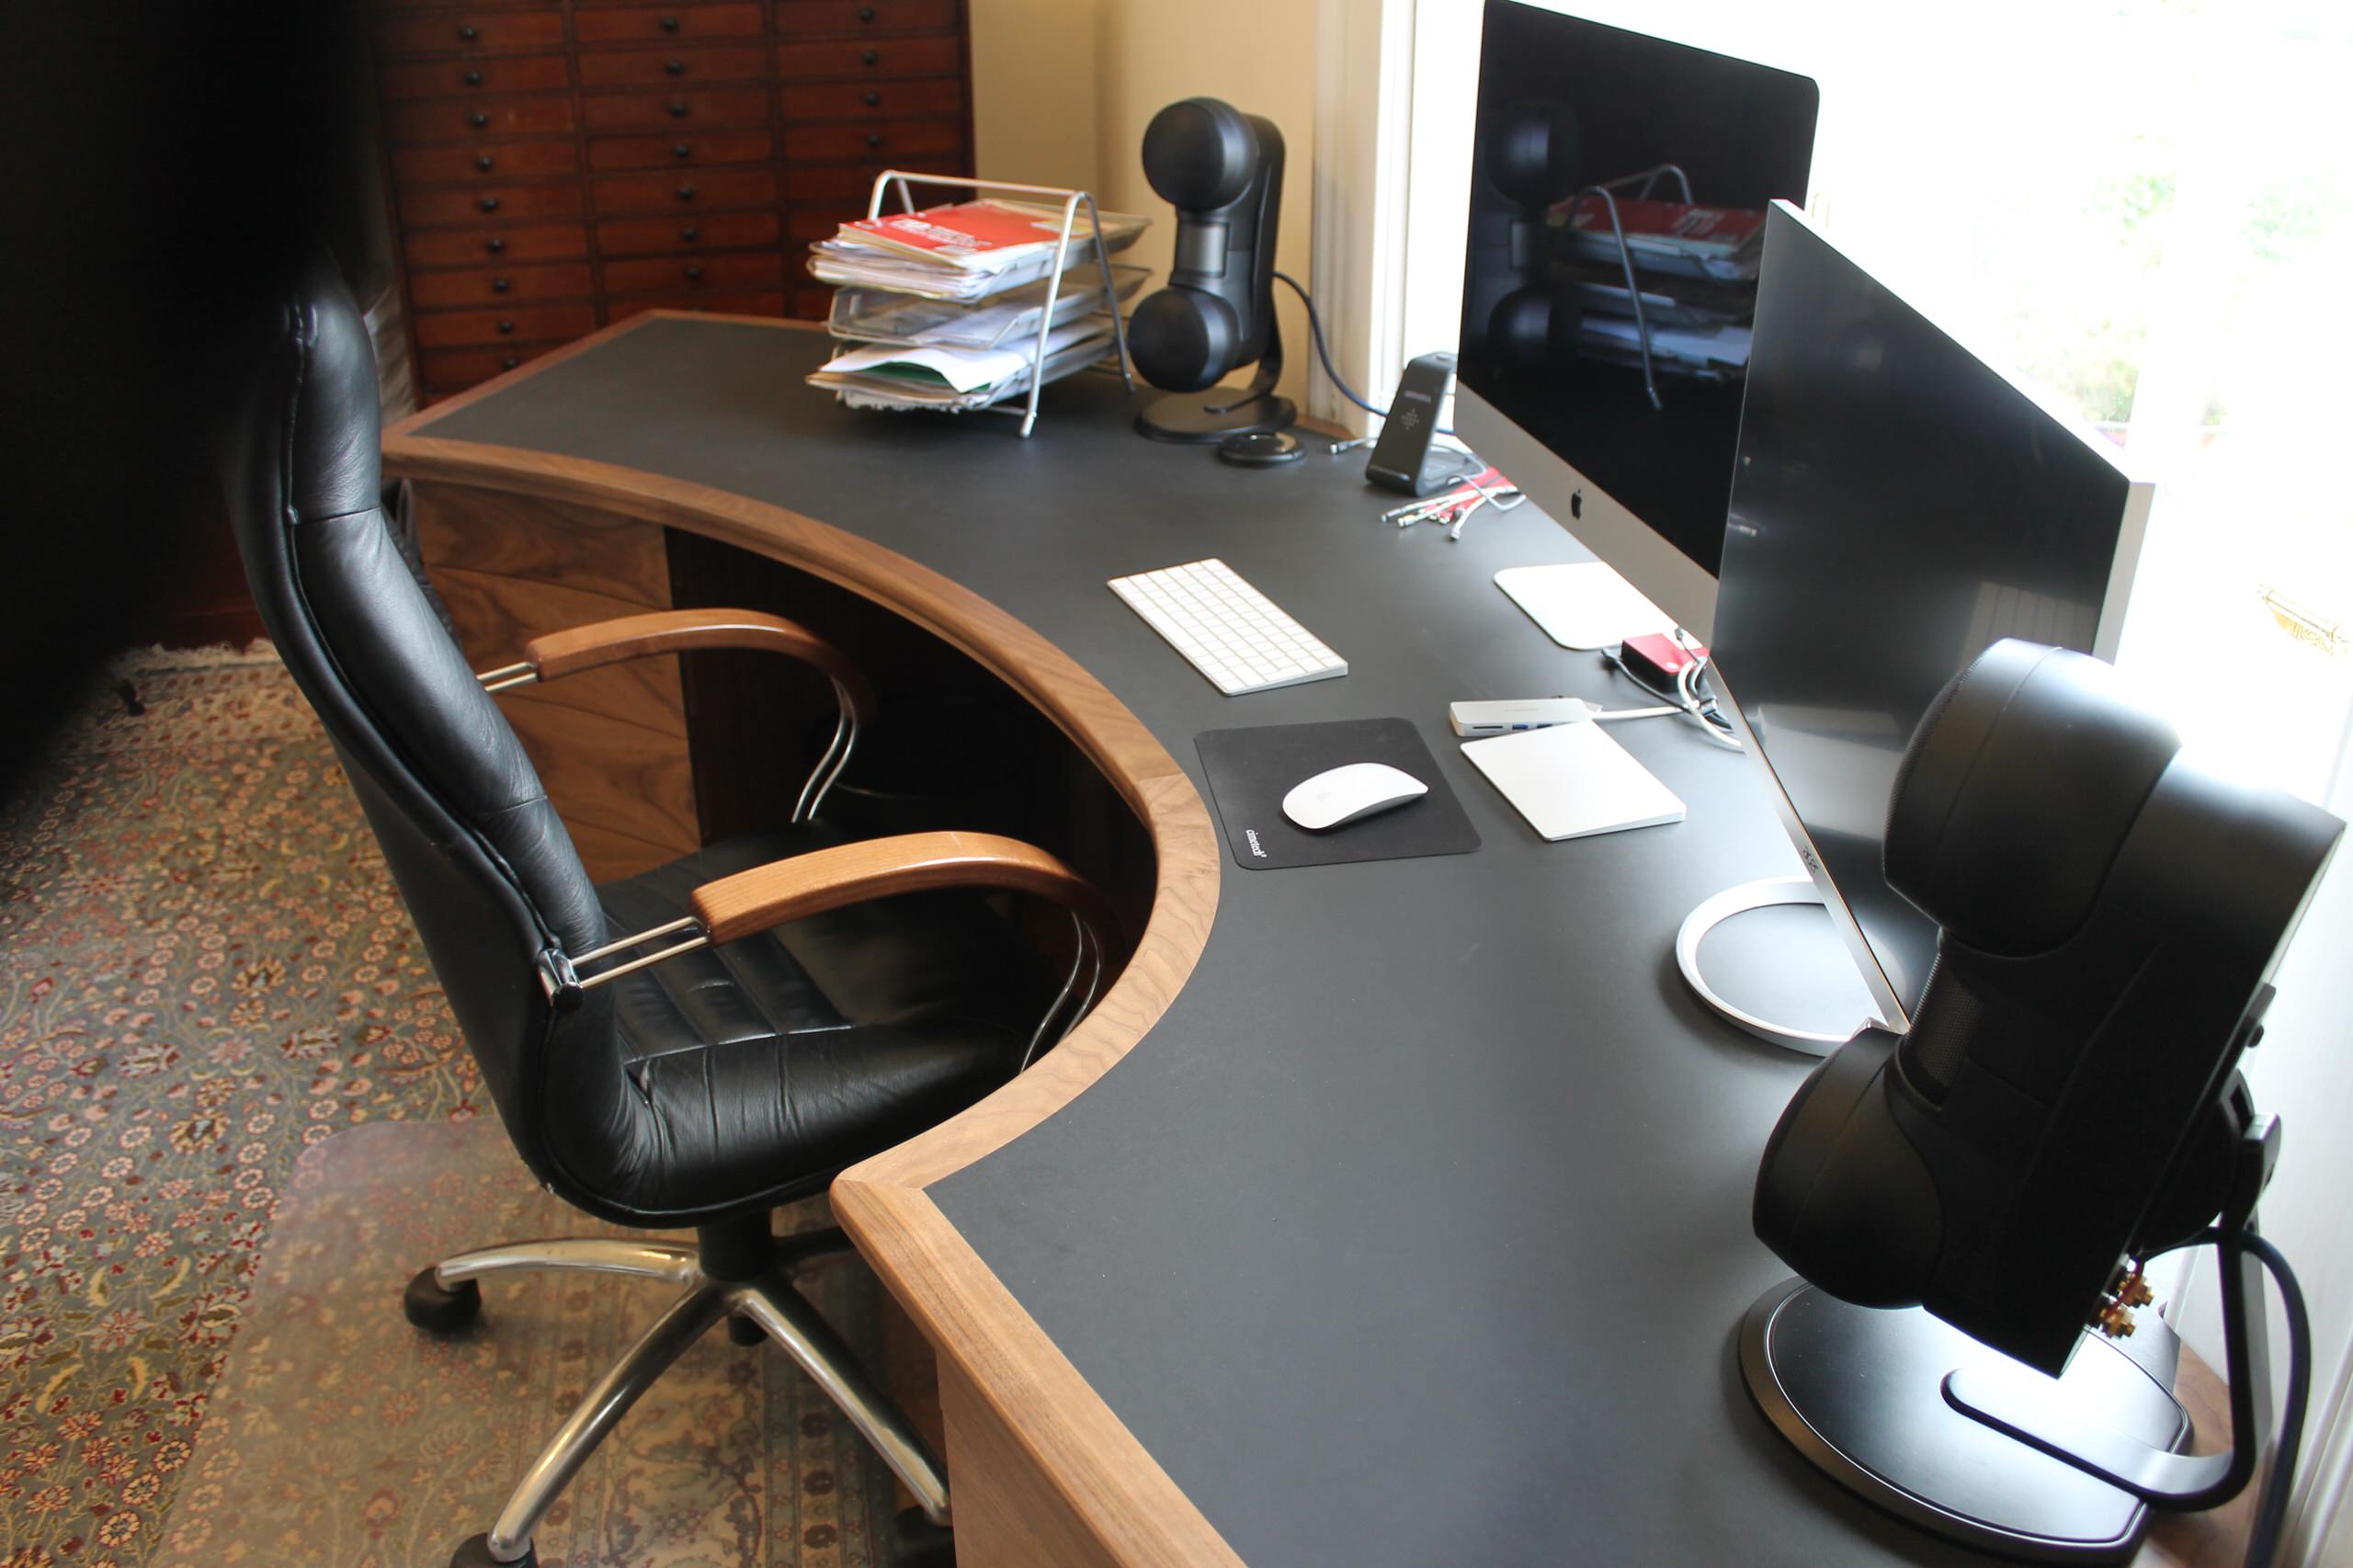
(1659, 659)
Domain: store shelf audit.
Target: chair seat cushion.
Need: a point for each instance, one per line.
(763, 1067)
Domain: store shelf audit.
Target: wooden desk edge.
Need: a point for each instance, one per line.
(1112, 1486)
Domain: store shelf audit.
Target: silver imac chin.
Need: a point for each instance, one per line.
(1659, 570)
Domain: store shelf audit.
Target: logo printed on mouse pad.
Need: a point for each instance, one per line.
(1371, 816)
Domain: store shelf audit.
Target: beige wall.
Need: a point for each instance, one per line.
(1063, 89)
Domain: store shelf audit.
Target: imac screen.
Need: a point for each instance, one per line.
(1547, 336)
(1897, 507)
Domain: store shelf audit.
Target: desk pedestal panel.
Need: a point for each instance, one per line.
(610, 745)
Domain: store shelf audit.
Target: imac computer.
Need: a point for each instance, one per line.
(1551, 385)
(1898, 507)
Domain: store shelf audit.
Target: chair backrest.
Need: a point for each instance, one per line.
(488, 871)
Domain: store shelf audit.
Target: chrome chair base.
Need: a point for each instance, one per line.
(444, 1298)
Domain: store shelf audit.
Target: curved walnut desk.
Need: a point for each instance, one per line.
(1383, 1215)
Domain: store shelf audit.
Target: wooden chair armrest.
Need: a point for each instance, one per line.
(809, 884)
(577, 648)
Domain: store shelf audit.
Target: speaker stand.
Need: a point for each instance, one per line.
(1859, 1391)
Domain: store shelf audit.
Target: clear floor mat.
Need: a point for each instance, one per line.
(339, 1435)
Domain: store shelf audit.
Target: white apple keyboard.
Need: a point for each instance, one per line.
(1230, 632)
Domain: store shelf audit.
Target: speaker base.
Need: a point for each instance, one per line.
(1859, 1392)
(1205, 418)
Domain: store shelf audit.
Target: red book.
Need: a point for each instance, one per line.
(973, 234)
(1669, 225)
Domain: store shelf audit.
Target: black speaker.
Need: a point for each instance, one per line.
(2112, 916)
(1529, 158)
(1222, 170)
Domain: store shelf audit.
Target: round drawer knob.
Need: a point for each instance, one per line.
(477, 120)
(483, 163)
(669, 24)
(690, 232)
(488, 204)
(675, 67)
(508, 363)
(869, 57)
(677, 109)
(500, 285)
(874, 139)
(686, 193)
(496, 246)
(469, 33)
(682, 150)
(870, 99)
(866, 13)
(506, 327)
(693, 273)
(472, 78)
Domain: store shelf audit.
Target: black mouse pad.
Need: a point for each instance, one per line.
(1251, 770)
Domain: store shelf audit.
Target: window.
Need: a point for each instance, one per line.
(2143, 206)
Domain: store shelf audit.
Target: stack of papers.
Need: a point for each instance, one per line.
(963, 252)
(955, 378)
(1010, 318)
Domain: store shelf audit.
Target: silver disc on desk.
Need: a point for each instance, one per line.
(1859, 1391)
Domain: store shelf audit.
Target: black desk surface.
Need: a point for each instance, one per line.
(1417, 1232)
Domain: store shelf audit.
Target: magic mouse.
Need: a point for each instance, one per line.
(1348, 793)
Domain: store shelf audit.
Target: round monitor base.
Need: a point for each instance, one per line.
(1768, 893)
(1205, 418)
(1859, 1392)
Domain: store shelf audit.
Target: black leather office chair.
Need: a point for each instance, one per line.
(805, 1002)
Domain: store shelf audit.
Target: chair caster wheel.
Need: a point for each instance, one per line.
(916, 1542)
(475, 1553)
(742, 1330)
(437, 1310)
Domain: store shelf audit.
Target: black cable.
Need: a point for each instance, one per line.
(2272, 1508)
(1315, 331)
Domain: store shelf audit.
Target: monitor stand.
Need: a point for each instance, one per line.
(1859, 1391)
(1829, 979)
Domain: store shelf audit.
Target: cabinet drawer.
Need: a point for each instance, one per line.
(488, 204)
(810, 18)
(873, 101)
(450, 329)
(890, 138)
(851, 59)
(682, 151)
(767, 303)
(685, 191)
(447, 119)
(498, 74)
(735, 271)
(487, 161)
(659, 67)
(807, 225)
(454, 369)
(479, 248)
(651, 111)
(654, 24)
(491, 286)
(657, 236)
(849, 183)
(470, 31)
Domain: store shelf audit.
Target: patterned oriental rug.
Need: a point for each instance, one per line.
(205, 970)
